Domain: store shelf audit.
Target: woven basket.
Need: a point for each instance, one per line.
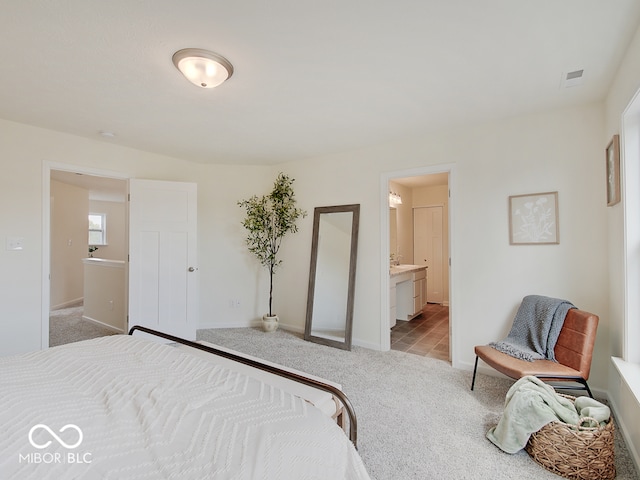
(575, 452)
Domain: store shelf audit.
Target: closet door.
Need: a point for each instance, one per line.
(427, 248)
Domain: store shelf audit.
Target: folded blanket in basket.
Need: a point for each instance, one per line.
(530, 404)
(588, 407)
(535, 328)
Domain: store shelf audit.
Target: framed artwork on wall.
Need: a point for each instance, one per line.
(533, 219)
(613, 171)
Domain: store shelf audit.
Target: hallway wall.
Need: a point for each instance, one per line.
(69, 226)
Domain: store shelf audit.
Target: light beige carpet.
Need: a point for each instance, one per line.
(67, 326)
(417, 417)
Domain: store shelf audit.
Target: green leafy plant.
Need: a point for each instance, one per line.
(268, 219)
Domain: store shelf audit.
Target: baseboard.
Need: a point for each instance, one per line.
(364, 344)
(292, 328)
(248, 324)
(102, 324)
(231, 324)
(66, 304)
(283, 326)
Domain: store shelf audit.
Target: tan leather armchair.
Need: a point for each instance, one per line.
(573, 352)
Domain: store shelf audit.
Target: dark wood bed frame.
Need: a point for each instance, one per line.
(337, 394)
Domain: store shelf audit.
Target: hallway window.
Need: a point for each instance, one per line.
(97, 229)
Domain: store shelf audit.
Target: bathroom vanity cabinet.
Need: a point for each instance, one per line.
(407, 292)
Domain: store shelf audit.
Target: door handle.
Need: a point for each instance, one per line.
(191, 269)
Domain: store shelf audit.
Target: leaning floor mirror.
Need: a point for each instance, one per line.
(332, 275)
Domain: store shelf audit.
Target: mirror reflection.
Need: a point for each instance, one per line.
(393, 234)
(332, 275)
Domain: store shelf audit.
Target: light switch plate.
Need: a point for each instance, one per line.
(15, 243)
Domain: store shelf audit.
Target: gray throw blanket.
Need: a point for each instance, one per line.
(535, 328)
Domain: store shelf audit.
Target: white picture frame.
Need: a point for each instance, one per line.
(533, 219)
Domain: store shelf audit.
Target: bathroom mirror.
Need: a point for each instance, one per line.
(332, 275)
(393, 233)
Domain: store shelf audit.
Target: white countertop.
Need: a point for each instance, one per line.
(103, 262)
(400, 269)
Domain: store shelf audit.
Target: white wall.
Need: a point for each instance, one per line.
(552, 151)
(225, 271)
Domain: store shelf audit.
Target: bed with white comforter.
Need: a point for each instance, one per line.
(121, 407)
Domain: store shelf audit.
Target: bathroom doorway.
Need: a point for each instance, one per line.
(418, 234)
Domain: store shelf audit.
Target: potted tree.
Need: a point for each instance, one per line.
(268, 219)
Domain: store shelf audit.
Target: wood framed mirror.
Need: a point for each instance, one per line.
(332, 275)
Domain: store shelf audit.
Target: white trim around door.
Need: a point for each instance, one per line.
(385, 340)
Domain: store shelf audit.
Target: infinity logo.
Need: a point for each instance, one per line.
(59, 440)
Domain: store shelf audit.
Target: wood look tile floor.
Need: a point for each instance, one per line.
(426, 335)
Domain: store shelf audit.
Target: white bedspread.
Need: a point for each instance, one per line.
(141, 410)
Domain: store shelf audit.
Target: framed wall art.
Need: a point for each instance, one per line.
(533, 219)
(613, 171)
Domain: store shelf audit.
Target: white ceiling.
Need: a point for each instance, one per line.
(430, 180)
(311, 78)
(100, 188)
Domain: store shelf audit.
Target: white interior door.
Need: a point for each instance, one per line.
(162, 256)
(427, 248)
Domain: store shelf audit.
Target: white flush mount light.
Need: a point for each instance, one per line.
(202, 68)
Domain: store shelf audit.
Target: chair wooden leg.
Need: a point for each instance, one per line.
(475, 369)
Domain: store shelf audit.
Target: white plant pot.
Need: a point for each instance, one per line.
(269, 323)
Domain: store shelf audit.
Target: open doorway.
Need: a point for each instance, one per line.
(420, 320)
(87, 247)
(160, 253)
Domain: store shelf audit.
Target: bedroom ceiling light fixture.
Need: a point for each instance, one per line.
(203, 68)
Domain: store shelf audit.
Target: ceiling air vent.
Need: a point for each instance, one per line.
(572, 79)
